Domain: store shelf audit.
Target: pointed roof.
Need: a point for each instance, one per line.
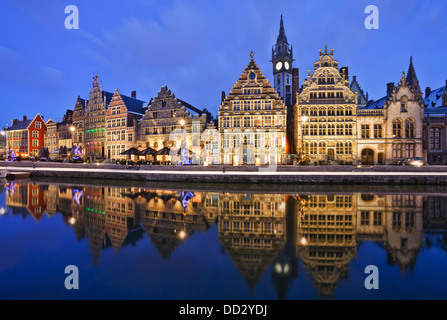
(247, 80)
(282, 34)
(412, 79)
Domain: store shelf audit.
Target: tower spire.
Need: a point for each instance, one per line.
(282, 34)
(412, 79)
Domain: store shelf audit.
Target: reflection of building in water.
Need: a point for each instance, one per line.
(64, 201)
(371, 216)
(404, 230)
(78, 212)
(165, 220)
(435, 221)
(285, 265)
(95, 220)
(120, 215)
(29, 196)
(327, 238)
(252, 231)
(51, 200)
(211, 208)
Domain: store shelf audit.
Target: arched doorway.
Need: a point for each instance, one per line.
(368, 156)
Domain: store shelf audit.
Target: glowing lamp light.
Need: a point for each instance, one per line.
(305, 118)
(205, 163)
(72, 221)
(182, 122)
(303, 241)
(182, 234)
(2, 211)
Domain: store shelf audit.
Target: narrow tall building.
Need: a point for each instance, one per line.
(95, 121)
(282, 58)
(326, 113)
(285, 82)
(78, 123)
(122, 117)
(252, 121)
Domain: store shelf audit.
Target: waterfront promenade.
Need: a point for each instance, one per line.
(368, 175)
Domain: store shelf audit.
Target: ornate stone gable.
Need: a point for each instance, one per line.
(166, 105)
(404, 92)
(327, 81)
(252, 84)
(95, 95)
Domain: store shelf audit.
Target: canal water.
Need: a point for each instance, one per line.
(147, 241)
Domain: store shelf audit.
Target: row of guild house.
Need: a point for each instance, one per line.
(328, 117)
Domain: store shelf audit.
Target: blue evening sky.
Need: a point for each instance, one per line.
(198, 48)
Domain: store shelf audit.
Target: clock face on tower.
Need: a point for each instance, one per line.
(286, 65)
(278, 65)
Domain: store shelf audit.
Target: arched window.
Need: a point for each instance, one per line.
(397, 128)
(410, 128)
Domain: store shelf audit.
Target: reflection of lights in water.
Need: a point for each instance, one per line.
(10, 186)
(2, 211)
(187, 196)
(72, 221)
(77, 196)
(278, 268)
(303, 241)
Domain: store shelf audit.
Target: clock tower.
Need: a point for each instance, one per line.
(282, 58)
